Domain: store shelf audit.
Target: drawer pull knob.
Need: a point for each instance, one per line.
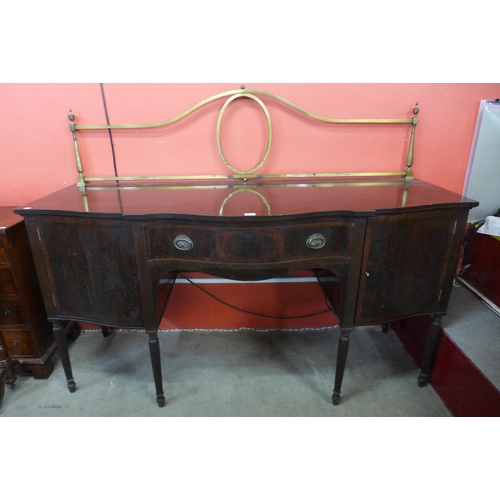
(16, 343)
(7, 312)
(184, 243)
(316, 241)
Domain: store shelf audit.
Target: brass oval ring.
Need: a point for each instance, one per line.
(239, 190)
(269, 133)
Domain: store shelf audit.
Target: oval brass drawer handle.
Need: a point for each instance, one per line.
(316, 241)
(183, 242)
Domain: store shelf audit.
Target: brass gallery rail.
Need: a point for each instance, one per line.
(249, 94)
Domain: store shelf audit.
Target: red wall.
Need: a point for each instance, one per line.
(37, 157)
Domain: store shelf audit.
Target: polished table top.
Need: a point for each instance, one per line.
(256, 197)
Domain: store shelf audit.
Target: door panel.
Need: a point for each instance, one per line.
(404, 265)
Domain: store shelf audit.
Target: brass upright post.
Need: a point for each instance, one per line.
(409, 163)
(81, 179)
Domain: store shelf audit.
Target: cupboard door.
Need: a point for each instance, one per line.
(405, 265)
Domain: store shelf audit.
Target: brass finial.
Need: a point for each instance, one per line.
(416, 109)
(71, 117)
(242, 87)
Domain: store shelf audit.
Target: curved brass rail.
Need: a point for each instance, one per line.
(242, 91)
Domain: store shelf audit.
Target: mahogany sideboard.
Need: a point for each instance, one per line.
(29, 341)
(382, 249)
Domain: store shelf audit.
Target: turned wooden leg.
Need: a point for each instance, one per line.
(430, 350)
(154, 351)
(7, 376)
(341, 362)
(62, 346)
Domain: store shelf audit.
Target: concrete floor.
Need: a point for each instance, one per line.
(233, 374)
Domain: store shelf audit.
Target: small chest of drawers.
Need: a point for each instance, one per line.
(23, 320)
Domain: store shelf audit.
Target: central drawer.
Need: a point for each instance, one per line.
(249, 243)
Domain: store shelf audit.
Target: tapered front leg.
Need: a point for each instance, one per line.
(154, 351)
(430, 350)
(341, 362)
(62, 347)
